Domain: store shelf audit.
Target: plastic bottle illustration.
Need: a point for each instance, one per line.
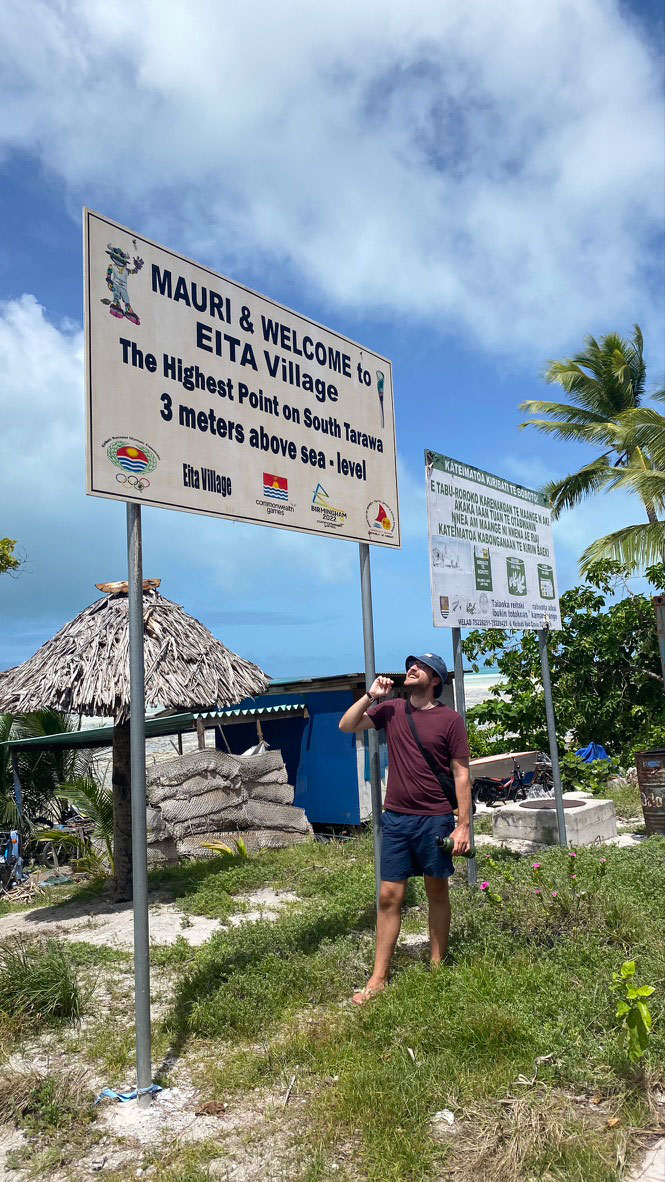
(483, 568)
(516, 575)
(545, 581)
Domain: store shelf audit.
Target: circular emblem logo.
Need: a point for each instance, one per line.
(131, 457)
(135, 459)
(380, 518)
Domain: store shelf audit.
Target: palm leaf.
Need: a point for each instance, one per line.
(570, 490)
(607, 378)
(635, 546)
(648, 483)
(563, 411)
(644, 428)
(601, 434)
(96, 803)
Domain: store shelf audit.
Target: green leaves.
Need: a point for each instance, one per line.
(606, 385)
(632, 1013)
(605, 670)
(8, 560)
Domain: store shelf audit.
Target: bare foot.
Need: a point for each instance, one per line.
(368, 993)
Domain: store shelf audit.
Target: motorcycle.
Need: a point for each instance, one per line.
(492, 791)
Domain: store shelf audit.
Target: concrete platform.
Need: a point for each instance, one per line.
(588, 821)
(652, 1168)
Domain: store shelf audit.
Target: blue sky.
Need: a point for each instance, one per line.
(467, 189)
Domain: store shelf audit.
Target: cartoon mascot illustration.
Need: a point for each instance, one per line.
(116, 281)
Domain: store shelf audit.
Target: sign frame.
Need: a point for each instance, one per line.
(525, 555)
(330, 521)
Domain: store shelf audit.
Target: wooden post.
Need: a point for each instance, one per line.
(122, 812)
(201, 733)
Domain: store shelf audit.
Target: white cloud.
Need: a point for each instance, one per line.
(71, 541)
(494, 168)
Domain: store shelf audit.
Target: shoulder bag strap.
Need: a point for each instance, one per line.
(446, 782)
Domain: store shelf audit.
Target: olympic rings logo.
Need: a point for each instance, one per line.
(138, 483)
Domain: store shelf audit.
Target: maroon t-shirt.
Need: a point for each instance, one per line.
(412, 785)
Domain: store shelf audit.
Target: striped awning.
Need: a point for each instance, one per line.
(162, 724)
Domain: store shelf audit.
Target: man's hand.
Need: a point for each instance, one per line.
(381, 687)
(461, 835)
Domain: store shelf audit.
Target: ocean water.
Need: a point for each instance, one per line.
(477, 686)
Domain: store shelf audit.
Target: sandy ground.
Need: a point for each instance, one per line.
(101, 922)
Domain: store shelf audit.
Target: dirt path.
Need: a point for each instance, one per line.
(104, 923)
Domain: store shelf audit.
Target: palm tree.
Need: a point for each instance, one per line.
(604, 383)
(41, 772)
(637, 546)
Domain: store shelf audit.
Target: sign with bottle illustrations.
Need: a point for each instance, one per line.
(491, 550)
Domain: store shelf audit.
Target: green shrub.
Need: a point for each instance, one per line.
(578, 776)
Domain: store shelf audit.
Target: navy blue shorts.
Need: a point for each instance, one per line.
(409, 846)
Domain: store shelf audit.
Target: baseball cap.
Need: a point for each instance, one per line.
(433, 662)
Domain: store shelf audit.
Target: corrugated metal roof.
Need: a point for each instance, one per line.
(161, 724)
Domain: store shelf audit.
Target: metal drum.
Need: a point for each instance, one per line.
(651, 780)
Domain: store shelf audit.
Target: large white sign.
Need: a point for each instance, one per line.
(204, 396)
(491, 550)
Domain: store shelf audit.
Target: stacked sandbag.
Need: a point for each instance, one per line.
(210, 795)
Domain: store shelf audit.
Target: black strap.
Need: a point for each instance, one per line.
(446, 782)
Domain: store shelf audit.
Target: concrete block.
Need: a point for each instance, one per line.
(590, 820)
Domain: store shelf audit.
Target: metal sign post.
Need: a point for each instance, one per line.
(460, 705)
(139, 836)
(372, 735)
(551, 731)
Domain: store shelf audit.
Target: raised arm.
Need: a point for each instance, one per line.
(356, 720)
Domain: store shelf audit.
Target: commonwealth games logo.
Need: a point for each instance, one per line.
(134, 458)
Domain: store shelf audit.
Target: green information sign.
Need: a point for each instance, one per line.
(491, 550)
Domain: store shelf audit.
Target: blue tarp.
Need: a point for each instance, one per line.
(591, 752)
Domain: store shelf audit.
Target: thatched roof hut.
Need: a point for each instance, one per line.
(84, 668)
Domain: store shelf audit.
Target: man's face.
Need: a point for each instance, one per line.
(420, 677)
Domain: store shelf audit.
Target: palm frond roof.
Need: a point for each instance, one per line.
(84, 668)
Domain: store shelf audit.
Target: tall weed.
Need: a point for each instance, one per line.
(38, 983)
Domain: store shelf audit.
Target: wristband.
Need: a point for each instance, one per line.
(371, 699)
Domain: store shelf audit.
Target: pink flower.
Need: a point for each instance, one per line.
(573, 876)
(603, 861)
(536, 866)
(538, 892)
(555, 894)
(484, 886)
(572, 854)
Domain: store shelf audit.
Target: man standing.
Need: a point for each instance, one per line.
(417, 809)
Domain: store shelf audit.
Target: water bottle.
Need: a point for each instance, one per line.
(446, 844)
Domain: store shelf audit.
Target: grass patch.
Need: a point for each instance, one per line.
(626, 797)
(482, 823)
(528, 977)
(83, 955)
(38, 983)
(39, 1102)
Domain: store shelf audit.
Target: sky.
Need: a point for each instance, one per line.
(467, 188)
